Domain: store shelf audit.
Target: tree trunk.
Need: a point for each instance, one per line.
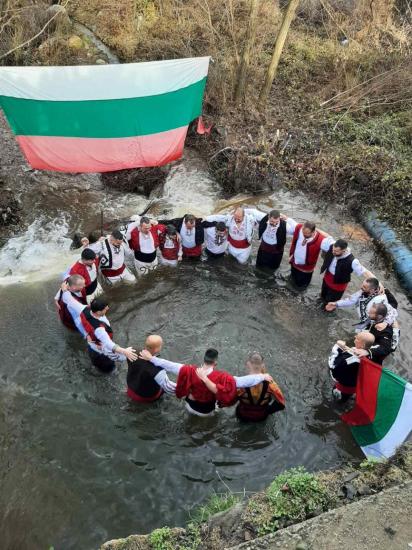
(280, 41)
(240, 89)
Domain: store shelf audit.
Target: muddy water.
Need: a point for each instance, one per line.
(80, 464)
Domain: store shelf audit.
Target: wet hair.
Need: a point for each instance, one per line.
(189, 218)
(381, 310)
(75, 279)
(341, 243)
(211, 356)
(116, 234)
(98, 304)
(88, 254)
(144, 219)
(373, 283)
(274, 214)
(94, 236)
(221, 226)
(309, 225)
(256, 360)
(171, 230)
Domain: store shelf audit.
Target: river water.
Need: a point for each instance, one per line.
(80, 463)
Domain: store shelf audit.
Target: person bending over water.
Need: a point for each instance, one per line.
(258, 402)
(200, 400)
(145, 381)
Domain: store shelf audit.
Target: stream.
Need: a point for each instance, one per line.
(80, 463)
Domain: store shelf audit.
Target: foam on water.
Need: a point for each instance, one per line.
(41, 252)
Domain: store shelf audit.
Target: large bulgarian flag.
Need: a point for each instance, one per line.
(381, 419)
(103, 117)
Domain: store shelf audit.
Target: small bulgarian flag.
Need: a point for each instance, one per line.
(381, 419)
(103, 117)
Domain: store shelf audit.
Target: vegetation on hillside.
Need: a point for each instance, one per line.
(338, 122)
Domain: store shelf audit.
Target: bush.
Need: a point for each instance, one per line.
(215, 504)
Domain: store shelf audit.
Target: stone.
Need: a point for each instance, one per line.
(301, 546)
(100, 61)
(350, 477)
(75, 42)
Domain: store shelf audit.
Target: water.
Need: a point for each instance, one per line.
(80, 464)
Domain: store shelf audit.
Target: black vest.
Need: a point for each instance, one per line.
(343, 267)
(280, 233)
(346, 374)
(199, 230)
(140, 378)
(96, 323)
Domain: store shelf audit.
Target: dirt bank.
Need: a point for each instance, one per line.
(265, 519)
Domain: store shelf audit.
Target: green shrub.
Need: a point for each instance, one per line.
(215, 504)
(162, 539)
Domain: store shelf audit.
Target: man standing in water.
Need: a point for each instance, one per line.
(191, 233)
(216, 240)
(145, 381)
(258, 402)
(200, 400)
(87, 268)
(344, 365)
(307, 244)
(144, 241)
(95, 327)
(68, 313)
(338, 265)
(241, 225)
(273, 229)
(111, 253)
(170, 246)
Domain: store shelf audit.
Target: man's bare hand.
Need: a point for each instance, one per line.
(130, 353)
(85, 241)
(201, 373)
(145, 354)
(331, 306)
(359, 352)
(64, 286)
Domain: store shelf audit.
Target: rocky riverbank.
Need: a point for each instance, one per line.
(295, 496)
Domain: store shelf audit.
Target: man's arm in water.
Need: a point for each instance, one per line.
(168, 366)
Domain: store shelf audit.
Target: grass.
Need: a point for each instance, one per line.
(162, 539)
(215, 504)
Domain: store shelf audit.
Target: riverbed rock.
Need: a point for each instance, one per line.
(75, 42)
(100, 61)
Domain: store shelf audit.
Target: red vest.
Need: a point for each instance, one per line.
(169, 253)
(188, 383)
(64, 313)
(312, 250)
(134, 241)
(80, 269)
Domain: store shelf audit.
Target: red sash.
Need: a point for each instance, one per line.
(329, 281)
(345, 389)
(113, 272)
(192, 252)
(244, 243)
(133, 395)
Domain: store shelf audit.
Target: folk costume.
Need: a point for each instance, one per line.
(100, 344)
(68, 313)
(145, 246)
(343, 368)
(170, 249)
(386, 341)
(304, 254)
(89, 274)
(191, 238)
(338, 270)
(363, 302)
(272, 241)
(216, 243)
(257, 403)
(240, 235)
(146, 382)
(112, 262)
(200, 401)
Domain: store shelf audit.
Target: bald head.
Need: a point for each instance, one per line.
(76, 282)
(153, 343)
(364, 340)
(239, 214)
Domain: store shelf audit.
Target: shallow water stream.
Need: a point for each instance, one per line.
(80, 463)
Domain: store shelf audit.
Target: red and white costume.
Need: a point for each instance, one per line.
(240, 235)
(170, 249)
(145, 246)
(89, 274)
(112, 261)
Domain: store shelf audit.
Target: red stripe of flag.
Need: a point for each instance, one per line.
(367, 386)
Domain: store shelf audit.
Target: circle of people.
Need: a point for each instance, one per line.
(141, 244)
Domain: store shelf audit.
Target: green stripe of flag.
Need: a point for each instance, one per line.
(390, 395)
(113, 118)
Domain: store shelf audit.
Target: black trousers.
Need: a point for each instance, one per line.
(329, 295)
(212, 255)
(300, 278)
(100, 361)
(267, 259)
